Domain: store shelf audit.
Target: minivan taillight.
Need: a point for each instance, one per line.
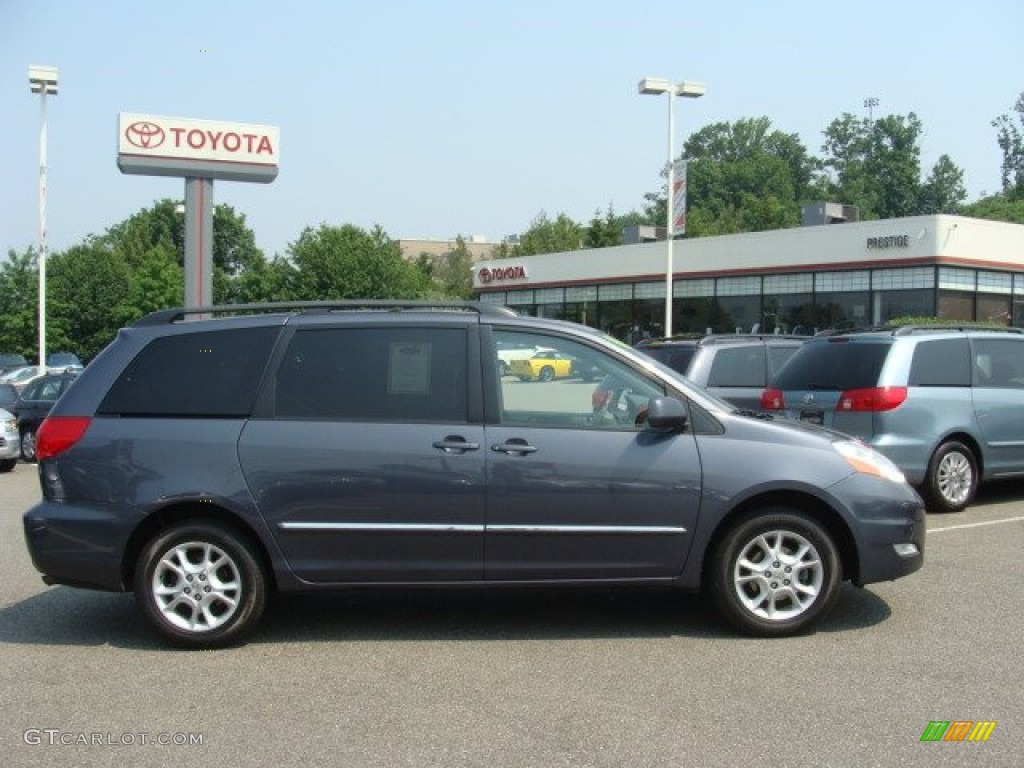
(58, 433)
(772, 400)
(872, 399)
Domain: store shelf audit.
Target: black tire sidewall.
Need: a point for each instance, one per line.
(722, 591)
(250, 571)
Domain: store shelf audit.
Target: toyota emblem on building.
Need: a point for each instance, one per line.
(144, 135)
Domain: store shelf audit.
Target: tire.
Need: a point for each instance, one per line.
(6, 465)
(221, 563)
(547, 373)
(952, 479)
(761, 600)
(28, 445)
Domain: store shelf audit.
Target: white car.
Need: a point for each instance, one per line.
(19, 377)
(10, 442)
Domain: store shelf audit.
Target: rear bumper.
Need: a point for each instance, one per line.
(75, 545)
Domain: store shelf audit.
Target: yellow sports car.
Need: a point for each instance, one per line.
(544, 366)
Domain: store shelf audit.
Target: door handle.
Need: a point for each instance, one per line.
(515, 445)
(456, 444)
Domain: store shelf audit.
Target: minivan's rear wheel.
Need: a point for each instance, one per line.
(28, 445)
(774, 573)
(952, 478)
(200, 584)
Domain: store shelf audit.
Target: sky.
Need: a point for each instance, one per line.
(438, 118)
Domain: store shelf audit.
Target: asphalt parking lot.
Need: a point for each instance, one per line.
(537, 678)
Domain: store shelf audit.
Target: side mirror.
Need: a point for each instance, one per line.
(665, 414)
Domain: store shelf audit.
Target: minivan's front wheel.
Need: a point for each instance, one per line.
(200, 584)
(774, 573)
(952, 478)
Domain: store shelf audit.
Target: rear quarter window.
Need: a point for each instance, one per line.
(941, 363)
(205, 374)
(738, 367)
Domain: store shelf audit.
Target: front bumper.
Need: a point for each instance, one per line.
(889, 528)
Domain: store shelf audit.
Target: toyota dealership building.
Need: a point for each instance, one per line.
(787, 281)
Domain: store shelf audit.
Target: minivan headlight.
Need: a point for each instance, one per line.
(867, 460)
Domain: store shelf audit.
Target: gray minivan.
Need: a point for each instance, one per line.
(945, 404)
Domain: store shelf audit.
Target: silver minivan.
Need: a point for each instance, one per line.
(945, 404)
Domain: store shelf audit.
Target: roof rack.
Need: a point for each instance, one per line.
(907, 330)
(177, 314)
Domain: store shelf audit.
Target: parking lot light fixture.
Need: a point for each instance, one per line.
(42, 80)
(655, 86)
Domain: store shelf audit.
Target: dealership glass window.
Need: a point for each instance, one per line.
(519, 298)
(650, 291)
(615, 292)
(548, 296)
(693, 315)
(779, 284)
(787, 313)
(842, 309)
(648, 320)
(738, 286)
(583, 293)
(908, 303)
(956, 305)
(995, 282)
(994, 308)
(616, 318)
(683, 289)
(954, 279)
(497, 297)
(842, 282)
(735, 314)
(903, 279)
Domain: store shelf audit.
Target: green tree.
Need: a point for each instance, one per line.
(346, 262)
(603, 231)
(1011, 141)
(91, 295)
(19, 305)
(997, 208)
(547, 236)
(452, 272)
(743, 177)
(876, 165)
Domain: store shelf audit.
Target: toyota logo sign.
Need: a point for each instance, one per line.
(144, 135)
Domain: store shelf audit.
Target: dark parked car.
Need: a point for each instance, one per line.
(946, 405)
(735, 367)
(8, 362)
(316, 447)
(34, 403)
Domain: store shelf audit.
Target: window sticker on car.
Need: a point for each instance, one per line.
(409, 368)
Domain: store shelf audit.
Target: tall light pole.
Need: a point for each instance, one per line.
(42, 80)
(690, 90)
(869, 104)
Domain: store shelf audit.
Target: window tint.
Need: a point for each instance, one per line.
(676, 358)
(738, 367)
(379, 374)
(591, 390)
(777, 357)
(999, 363)
(214, 373)
(941, 363)
(834, 365)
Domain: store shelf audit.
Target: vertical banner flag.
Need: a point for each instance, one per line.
(678, 198)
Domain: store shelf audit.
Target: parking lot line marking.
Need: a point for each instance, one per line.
(975, 525)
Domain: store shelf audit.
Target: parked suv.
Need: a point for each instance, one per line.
(945, 404)
(315, 447)
(735, 367)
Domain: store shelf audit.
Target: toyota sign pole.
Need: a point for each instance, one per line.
(199, 151)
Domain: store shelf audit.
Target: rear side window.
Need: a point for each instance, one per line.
(211, 374)
(941, 363)
(374, 374)
(999, 363)
(676, 358)
(835, 365)
(739, 367)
